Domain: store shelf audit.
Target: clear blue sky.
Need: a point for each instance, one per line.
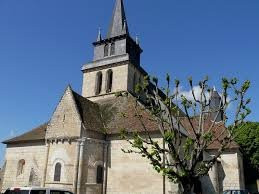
(44, 43)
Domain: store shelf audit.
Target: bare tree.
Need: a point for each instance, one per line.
(180, 156)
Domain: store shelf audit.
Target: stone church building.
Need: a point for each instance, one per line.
(72, 151)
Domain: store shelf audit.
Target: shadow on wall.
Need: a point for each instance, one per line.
(208, 186)
(221, 176)
(34, 179)
(109, 156)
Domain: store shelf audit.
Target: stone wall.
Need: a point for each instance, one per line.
(226, 174)
(120, 80)
(134, 73)
(126, 173)
(93, 157)
(1, 178)
(66, 121)
(33, 154)
(130, 173)
(232, 164)
(123, 80)
(64, 153)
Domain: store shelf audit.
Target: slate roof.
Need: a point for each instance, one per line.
(118, 24)
(218, 131)
(215, 94)
(89, 112)
(107, 115)
(120, 113)
(36, 134)
(102, 116)
(111, 115)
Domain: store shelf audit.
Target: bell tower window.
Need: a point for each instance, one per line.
(99, 80)
(112, 49)
(109, 76)
(106, 50)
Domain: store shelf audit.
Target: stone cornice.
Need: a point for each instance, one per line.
(96, 140)
(61, 139)
(103, 63)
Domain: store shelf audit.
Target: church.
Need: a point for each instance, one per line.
(71, 150)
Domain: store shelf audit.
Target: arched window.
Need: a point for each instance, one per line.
(20, 168)
(109, 79)
(99, 175)
(106, 50)
(112, 52)
(99, 80)
(57, 172)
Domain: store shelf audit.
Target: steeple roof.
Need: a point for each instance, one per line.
(118, 24)
(215, 94)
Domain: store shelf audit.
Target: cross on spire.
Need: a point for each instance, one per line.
(118, 24)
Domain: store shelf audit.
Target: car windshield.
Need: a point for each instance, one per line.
(38, 192)
(17, 192)
(25, 192)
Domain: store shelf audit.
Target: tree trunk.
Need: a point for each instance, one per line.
(190, 186)
(187, 189)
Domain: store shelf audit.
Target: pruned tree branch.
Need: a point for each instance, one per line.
(186, 136)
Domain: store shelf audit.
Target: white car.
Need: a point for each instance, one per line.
(36, 190)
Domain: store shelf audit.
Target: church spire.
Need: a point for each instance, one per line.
(118, 24)
(215, 106)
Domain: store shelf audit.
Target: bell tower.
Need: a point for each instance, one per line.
(116, 62)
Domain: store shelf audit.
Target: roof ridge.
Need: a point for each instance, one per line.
(84, 98)
(16, 138)
(84, 105)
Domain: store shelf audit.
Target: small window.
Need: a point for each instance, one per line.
(57, 173)
(106, 50)
(99, 80)
(20, 168)
(109, 81)
(99, 175)
(112, 49)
